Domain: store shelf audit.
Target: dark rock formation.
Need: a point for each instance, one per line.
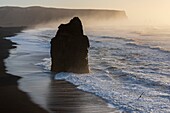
(69, 48)
(32, 16)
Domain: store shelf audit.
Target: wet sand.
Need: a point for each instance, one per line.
(65, 98)
(12, 100)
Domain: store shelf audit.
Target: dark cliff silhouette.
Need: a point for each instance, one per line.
(69, 48)
(30, 16)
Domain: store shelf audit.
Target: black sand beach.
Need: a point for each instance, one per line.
(66, 98)
(12, 100)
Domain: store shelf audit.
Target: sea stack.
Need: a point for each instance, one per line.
(69, 48)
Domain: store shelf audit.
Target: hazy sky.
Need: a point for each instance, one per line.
(152, 11)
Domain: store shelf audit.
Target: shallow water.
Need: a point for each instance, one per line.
(128, 71)
(22, 62)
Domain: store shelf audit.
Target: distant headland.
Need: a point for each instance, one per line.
(30, 16)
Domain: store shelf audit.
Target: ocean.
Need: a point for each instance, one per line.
(129, 67)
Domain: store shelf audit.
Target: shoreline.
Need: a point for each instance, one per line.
(12, 100)
(53, 95)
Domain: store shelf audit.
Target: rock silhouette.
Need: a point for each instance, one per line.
(69, 48)
(35, 15)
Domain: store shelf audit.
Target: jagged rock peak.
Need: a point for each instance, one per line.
(69, 48)
(73, 27)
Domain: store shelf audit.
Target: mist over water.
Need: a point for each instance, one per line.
(155, 34)
(148, 34)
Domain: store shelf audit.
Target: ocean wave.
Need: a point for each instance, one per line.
(123, 95)
(148, 46)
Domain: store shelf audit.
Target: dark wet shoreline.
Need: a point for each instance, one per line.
(12, 100)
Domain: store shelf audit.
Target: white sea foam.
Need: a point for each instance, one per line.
(126, 96)
(46, 63)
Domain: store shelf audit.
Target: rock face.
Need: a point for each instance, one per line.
(35, 15)
(69, 48)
